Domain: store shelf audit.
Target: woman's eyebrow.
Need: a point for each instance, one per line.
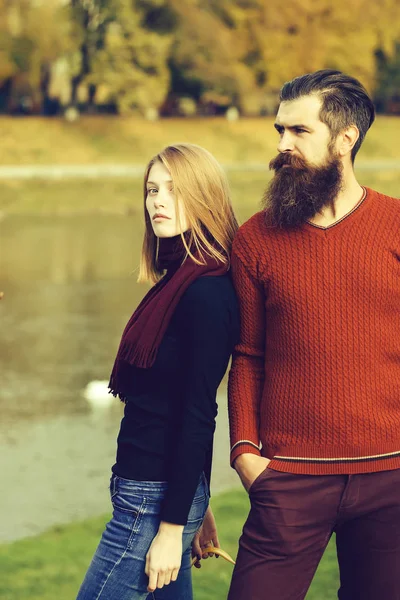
(152, 182)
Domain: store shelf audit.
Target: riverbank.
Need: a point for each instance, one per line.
(124, 195)
(121, 145)
(107, 139)
(53, 564)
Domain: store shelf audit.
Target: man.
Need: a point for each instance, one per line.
(314, 390)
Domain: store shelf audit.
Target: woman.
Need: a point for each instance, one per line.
(173, 354)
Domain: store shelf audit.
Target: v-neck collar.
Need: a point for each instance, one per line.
(346, 216)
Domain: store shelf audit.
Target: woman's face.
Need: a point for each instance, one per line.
(161, 203)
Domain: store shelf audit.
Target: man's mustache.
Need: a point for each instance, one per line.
(285, 159)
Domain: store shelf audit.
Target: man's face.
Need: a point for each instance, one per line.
(308, 168)
(301, 131)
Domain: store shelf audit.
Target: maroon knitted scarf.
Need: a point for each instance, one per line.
(145, 329)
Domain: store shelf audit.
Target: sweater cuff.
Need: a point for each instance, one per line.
(245, 447)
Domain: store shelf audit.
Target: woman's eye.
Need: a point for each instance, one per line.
(152, 191)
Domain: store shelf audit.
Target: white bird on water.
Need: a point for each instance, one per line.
(97, 394)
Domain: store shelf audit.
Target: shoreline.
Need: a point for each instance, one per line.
(96, 191)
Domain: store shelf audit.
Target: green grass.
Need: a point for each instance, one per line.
(124, 196)
(51, 566)
(36, 140)
(133, 141)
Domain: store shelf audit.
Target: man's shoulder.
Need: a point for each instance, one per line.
(257, 221)
(385, 201)
(252, 231)
(385, 210)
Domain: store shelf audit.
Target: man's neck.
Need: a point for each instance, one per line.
(347, 199)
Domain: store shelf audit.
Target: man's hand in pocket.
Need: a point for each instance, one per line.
(249, 467)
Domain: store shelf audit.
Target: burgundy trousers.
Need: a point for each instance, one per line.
(291, 520)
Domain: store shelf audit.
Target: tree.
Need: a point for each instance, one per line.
(89, 20)
(209, 53)
(33, 35)
(132, 64)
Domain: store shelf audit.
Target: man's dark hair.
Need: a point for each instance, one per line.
(345, 101)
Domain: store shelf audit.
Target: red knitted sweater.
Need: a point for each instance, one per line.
(315, 379)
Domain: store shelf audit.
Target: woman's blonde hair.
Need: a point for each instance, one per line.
(201, 189)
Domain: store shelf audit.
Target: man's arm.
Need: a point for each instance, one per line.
(246, 378)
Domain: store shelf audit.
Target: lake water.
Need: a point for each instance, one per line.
(69, 287)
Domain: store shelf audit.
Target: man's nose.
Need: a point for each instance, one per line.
(285, 143)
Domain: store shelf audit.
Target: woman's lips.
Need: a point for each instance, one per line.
(160, 218)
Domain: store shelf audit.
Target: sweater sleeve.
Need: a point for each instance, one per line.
(206, 325)
(246, 377)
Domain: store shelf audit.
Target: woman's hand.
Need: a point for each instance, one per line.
(163, 560)
(206, 536)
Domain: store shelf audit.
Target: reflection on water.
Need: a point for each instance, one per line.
(69, 287)
(68, 292)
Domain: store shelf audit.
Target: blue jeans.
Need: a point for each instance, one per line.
(117, 569)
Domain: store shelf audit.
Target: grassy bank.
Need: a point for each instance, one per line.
(127, 140)
(37, 140)
(124, 196)
(52, 565)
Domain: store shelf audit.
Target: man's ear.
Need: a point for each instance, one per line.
(347, 140)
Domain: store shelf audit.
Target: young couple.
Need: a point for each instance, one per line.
(312, 316)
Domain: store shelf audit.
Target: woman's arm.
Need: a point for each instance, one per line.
(206, 536)
(208, 322)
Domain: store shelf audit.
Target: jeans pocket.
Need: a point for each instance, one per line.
(125, 501)
(113, 487)
(198, 509)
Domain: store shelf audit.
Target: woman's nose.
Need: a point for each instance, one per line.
(159, 199)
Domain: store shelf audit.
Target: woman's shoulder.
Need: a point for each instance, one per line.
(209, 288)
(210, 295)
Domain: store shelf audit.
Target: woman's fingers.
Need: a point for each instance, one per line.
(162, 578)
(147, 565)
(196, 548)
(206, 554)
(157, 579)
(174, 574)
(167, 579)
(153, 577)
(215, 541)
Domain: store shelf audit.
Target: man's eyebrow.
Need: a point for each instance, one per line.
(280, 127)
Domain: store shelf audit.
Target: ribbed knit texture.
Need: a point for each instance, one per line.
(316, 376)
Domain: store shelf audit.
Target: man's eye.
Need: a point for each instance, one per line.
(300, 130)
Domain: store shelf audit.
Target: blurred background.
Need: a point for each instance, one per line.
(90, 90)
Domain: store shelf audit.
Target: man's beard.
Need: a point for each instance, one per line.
(299, 190)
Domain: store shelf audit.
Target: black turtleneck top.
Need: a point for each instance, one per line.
(167, 430)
